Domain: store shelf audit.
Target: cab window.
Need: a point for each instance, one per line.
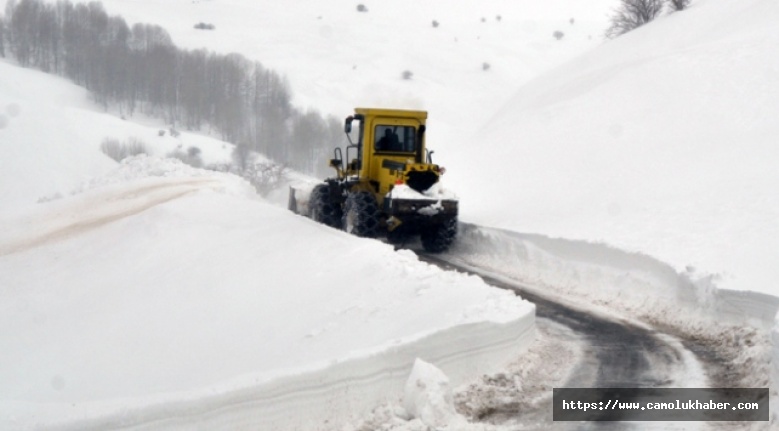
(395, 139)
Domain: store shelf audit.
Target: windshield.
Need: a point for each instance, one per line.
(395, 138)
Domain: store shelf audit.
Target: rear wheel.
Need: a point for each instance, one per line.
(438, 238)
(361, 214)
(322, 207)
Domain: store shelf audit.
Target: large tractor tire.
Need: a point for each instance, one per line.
(361, 215)
(438, 238)
(322, 207)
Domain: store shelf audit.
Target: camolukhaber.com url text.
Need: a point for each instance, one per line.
(677, 405)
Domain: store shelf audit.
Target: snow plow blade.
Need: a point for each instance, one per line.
(421, 211)
(292, 204)
(298, 199)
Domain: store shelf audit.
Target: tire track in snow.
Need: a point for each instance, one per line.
(100, 210)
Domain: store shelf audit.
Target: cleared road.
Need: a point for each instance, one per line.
(614, 354)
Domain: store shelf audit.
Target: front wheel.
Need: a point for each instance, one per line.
(361, 214)
(322, 207)
(438, 238)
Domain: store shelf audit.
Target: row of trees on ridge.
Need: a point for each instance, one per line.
(139, 69)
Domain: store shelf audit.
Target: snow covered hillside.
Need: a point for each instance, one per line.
(662, 141)
(50, 137)
(337, 58)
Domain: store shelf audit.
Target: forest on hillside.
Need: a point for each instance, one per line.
(138, 68)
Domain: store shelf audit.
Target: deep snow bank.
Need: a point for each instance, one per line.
(602, 274)
(163, 297)
(635, 286)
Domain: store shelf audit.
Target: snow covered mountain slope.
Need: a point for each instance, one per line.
(662, 141)
(164, 291)
(51, 132)
(45, 147)
(337, 58)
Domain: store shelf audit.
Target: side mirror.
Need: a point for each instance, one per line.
(348, 124)
(420, 135)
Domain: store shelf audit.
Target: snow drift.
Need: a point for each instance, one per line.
(166, 297)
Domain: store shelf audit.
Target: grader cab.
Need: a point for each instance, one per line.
(385, 184)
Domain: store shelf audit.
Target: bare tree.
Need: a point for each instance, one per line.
(2, 36)
(309, 132)
(119, 151)
(273, 105)
(10, 5)
(4, 26)
(241, 156)
(20, 30)
(678, 5)
(193, 99)
(632, 14)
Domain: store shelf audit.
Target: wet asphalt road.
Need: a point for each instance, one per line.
(616, 354)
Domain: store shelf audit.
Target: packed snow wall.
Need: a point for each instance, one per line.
(323, 398)
(740, 324)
